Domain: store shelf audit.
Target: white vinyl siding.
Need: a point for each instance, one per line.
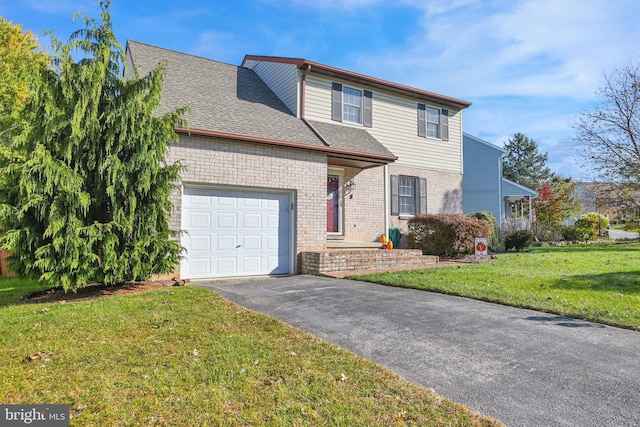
(395, 126)
(282, 79)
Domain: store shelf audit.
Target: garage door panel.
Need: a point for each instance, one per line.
(272, 242)
(273, 221)
(225, 266)
(226, 243)
(200, 199)
(251, 202)
(225, 201)
(200, 243)
(235, 233)
(252, 242)
(226, 220)
(252, 264)
(251, 221)
(199, 266)
(200, 220)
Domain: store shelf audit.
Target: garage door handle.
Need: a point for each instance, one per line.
(238, 246)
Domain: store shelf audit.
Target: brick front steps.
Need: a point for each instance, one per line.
(341, 260)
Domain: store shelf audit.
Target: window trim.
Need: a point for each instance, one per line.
(420, 196)
(338, 104)
(423, 122)
(408, 199)
(348, 104)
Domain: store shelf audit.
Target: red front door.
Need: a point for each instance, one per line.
(333, 204)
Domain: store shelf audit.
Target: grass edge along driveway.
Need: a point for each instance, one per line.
(185, 356)
(595, 282)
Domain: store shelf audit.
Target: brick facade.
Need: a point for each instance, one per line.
(444, 193)
(364, 207)
(234, 164)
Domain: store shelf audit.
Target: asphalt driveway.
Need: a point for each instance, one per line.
(522, 367)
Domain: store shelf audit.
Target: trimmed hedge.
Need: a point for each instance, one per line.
(445, 235)
(519, 240)
(576, 234)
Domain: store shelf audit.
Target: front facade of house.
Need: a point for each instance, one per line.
(284, 156)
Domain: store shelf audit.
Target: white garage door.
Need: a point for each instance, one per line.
(235, 233)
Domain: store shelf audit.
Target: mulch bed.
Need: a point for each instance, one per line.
(97, 290)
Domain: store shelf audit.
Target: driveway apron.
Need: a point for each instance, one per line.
(522, 367)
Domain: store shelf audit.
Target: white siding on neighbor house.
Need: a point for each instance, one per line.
(282, 79)
(482, 178)
(395, 125)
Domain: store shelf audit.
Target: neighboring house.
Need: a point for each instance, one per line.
(485, 189)
(607, 200)
(284, 156)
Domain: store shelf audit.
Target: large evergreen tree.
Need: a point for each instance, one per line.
(84, 190)
(524, 164)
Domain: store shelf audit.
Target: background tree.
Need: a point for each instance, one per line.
(524, 164)
(84, 190)
(609, 135)
(19, 64)
(557, 201)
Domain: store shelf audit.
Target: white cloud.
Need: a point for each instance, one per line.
(527, 48)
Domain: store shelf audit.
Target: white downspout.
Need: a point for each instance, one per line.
(387, 212)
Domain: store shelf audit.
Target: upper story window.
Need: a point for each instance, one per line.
(433, 122)
(351, 105)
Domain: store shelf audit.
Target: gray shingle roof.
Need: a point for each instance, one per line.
(230, 99)
(221, 97)
(350, 138)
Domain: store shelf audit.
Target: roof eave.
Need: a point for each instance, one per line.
(329, 71)
(397, 88)
(370, 159)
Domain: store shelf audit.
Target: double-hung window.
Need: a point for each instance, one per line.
(433, 122)
(408, 195)
(351, 105)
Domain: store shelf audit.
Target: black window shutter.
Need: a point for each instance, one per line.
(336, 102)
(367, 118)
(444, 124)
(422, 195)
(422, 120)
(395, 200)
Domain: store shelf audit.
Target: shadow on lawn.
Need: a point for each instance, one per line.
(627, 282)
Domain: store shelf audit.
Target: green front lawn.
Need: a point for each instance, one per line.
(184, 356)
(598, 282)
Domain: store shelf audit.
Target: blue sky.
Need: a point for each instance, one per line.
(528, 66)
